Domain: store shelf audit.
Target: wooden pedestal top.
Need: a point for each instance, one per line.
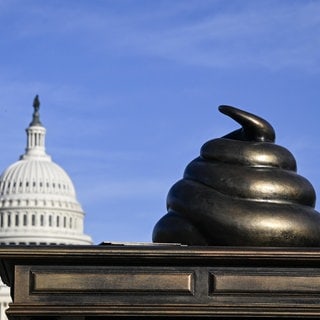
(161, 281)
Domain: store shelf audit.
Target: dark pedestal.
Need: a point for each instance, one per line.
(89, 282)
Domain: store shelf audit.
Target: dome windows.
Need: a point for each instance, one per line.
(9, 219)
(33, 220)
(40, 220)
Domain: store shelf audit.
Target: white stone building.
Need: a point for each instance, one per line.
(38, 204)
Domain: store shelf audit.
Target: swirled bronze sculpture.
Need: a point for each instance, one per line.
(243, 190)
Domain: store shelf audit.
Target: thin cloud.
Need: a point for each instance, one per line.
(227, 36)
(286, 35)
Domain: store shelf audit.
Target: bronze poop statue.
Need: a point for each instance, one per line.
(243, 190)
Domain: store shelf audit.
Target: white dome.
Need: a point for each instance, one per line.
(38, 203)
(34, 176)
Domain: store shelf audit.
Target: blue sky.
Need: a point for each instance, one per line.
(129, 91)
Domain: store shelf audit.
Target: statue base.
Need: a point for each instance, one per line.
(156, 281)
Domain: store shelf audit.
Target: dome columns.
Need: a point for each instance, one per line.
(35, 143)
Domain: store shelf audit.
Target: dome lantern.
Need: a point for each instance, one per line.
(36, 134)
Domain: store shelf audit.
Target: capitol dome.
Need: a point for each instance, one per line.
(38, 204)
